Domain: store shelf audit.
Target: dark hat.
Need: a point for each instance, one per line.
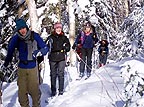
(104, 41)
(20, 23)
(87, 24)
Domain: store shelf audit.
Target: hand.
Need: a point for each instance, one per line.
(64, 47)
(74, 46)
(37, 53)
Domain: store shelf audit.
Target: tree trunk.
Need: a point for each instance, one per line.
(126, 8)
(59, 11)
(20, 10)
(35, 26)
(71, 32)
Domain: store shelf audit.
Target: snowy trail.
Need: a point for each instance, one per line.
(104, 85)
(93, 91)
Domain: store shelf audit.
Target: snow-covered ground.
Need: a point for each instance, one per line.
(103, 89)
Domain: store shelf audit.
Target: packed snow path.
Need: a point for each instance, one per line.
(103, 89)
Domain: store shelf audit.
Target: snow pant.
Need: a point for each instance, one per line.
(28, 84)
(57, 70)
(102, 59)
(87, 58)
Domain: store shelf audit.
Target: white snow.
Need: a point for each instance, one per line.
(103, 89)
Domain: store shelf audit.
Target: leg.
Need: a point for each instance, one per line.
(53, 76)
(100, 60)
(22, 88)
(33, 86)
(61, 67)
(82, 64)
(89, 61)
(105, 59)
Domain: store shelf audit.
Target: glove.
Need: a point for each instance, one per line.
(64, 47)
(74, 46)
(37, 53)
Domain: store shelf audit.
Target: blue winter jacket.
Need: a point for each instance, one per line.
(24, 55)
(86, 41)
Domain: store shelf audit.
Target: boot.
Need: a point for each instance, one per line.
(81, 74)
(88, 74)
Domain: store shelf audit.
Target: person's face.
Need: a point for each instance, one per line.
(87, 29)
(103, 42)
(23, 31)
(58, 30)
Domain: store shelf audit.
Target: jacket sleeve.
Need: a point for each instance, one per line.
(107, 50)
(99, 49)
(66, 44)
(11, 48)
(77, 38)
(41, 44)
(96, 39)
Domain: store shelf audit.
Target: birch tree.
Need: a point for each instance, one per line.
(59, 11)
(21, 7)
(71, 31)
(34, 22)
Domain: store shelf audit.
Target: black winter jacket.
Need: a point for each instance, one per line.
(59, 46)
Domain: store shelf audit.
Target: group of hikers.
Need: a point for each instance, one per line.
(30, 46)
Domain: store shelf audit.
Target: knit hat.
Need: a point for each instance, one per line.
(87, 25)
(20, 23)
(57, 25)
(104, 41)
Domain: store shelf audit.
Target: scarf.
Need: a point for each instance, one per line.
(31, 44)
(26, 37)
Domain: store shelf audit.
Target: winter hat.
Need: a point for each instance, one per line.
(57, 25)
(104, 41)
(88, 24)
(20, 23)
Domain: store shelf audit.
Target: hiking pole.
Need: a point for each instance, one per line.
(82, 60)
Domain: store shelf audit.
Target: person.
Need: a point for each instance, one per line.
(59, 45)
(88, 41)
(103, 52)
(29, 45)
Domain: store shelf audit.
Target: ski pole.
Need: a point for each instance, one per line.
(82, 60)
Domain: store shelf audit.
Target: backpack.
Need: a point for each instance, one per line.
(39, 58)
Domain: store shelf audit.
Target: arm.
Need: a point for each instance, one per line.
(99, 49)
(107, 50)
(41, 44)
(95, 38)
(66, 44)
(11, 49)
(76, 41)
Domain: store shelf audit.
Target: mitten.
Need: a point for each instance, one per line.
(66, 47)
(74, 46)
(37, 53)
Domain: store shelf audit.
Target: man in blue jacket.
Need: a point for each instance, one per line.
(30, 45)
